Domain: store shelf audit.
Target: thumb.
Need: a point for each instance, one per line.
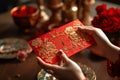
(40, 62)
(46, 66)
(64, 56)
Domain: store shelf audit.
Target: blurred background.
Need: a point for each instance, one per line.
(50, 14)
(9, 28)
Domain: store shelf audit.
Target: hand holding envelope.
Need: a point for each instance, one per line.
(65, 37)
(69, 70)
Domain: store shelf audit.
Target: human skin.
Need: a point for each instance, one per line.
(68, 71)
(102, 47)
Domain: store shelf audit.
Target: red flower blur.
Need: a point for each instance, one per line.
(107, 19)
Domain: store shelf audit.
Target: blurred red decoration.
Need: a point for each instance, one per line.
(21, 55)
(25, 17)
(107, 19)
(24, 11)
(114, 68)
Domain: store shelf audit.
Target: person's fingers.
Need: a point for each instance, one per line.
(40, 61)
(47, 65)
(97, 33)
(64, 57)
(60, 62)
(50, 68)
(85, 30)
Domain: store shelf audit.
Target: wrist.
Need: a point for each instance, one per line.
(84, 79)
(112, 53)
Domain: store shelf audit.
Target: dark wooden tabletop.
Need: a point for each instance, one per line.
(12, 69)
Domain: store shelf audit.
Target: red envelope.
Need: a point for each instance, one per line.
(65, 37)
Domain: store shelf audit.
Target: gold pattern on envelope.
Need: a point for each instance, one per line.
(37, 42)
(77, 24)
(55, 35)
(72, 34)
(67, 48)
(48, 51)
(45, 40)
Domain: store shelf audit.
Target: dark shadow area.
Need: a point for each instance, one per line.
(94, 57)
(14, 31)
(113, 1)
(5, 5)
(4, 61)
(15, 60)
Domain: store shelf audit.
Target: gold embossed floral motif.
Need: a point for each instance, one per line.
(72, 34)
(65, 37)
(48, 51)
(37, 42)
(77, 24)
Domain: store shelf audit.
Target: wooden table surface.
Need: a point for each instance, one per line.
(12, 69)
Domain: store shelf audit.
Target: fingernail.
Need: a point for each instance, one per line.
(59, 53)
